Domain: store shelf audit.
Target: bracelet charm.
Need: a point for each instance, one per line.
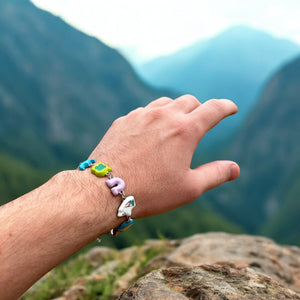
(117, 186)
(85, 164)
(126, 207)
(100, 169)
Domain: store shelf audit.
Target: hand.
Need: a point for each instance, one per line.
(151, 149)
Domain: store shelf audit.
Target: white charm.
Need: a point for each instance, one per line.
(126, 207)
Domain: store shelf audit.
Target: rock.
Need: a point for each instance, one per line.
(204, 266)
(107, 268)
(124, 281)
(211, 282)
(282, 263)
(98, 255)
(156, 263)
(151, 287)
(151, 243)
(128, 254)
(74, 292)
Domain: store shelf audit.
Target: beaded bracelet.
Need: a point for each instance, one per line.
(117, 186)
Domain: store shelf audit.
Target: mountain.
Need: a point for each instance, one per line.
(59, 88)
(266, 196)
(18, 177)
(234, 64)
(284, 225)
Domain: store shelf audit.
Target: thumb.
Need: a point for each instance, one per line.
(213, 174)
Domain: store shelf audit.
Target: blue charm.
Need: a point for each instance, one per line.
(125, 225)
(87, 163)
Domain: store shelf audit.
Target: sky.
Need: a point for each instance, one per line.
(146, 29)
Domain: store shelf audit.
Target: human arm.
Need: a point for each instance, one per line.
(151, 149)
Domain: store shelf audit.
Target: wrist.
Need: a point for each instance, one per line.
(95, 201)
(117, 186)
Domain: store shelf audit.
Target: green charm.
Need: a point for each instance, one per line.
(100, 169)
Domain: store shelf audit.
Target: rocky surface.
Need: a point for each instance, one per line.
(217, 281)
(204, 266)
(259, 253)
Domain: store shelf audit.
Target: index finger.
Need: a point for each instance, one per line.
(210, 113)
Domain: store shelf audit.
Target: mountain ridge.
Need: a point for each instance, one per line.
(64, 87)
(235, 64)
(267, 149)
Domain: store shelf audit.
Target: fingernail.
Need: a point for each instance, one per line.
(234, 171)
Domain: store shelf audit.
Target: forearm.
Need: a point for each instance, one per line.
(151, 149)
(43, 228)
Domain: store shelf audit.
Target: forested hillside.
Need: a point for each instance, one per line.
(58, 87)
(59, 91)
(18, 177)
(268, 151)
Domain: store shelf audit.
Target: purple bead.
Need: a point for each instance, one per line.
(116, 185)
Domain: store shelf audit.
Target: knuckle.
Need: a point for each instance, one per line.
(117, 121)
(190, 97)
(156, 113)
(219, 173)
(165, 99)
(204, 119)
(135, 112)
(160, 101)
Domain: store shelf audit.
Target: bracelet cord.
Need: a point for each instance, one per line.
(117, 186)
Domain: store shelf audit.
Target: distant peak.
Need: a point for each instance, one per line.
(242, 30)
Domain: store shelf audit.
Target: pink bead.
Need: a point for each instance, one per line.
(116, 185)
